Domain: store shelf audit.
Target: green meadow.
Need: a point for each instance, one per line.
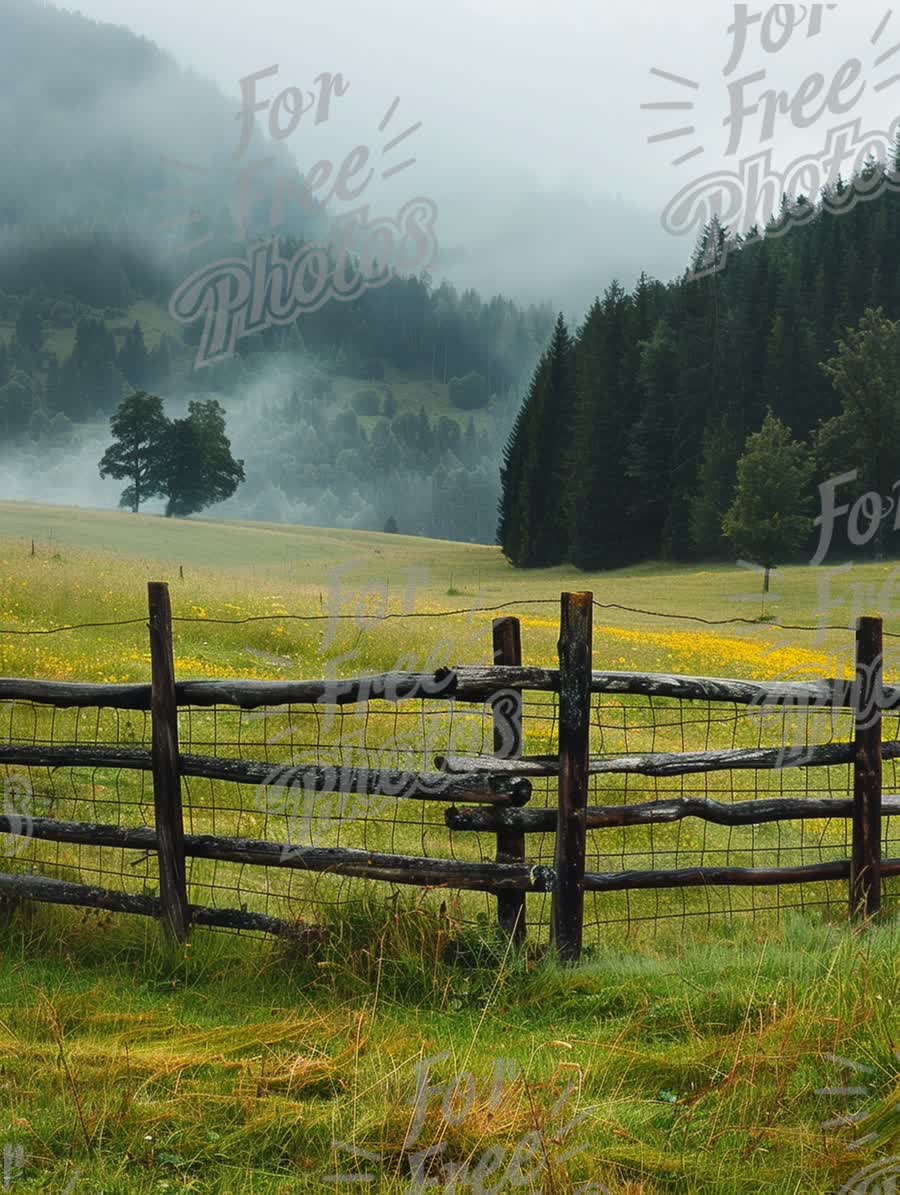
(710, 1041)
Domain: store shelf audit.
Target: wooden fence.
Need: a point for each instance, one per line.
(493, 790)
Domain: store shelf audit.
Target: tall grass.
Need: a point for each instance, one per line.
(703, 1057)
(698, 1063)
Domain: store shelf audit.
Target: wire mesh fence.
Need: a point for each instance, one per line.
(392, 739)
(87, 795)
(402, 737)
(627, 726)
(650, 724)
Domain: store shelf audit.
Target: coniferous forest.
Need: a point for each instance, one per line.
(628, 442)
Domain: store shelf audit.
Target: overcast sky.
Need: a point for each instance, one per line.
(531, 113)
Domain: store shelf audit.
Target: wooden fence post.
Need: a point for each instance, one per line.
(865, 864)
(507, 711)
(567, 907)
(166, 772)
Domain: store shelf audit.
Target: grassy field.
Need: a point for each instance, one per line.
(704, 1055)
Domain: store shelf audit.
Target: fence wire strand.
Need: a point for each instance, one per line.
(406, 736)
(381, 616)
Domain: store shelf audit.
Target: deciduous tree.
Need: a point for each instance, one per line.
(139, 428)
(769, 518)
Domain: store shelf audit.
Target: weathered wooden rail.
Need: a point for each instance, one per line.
(660, 813)
(463, 683)
(493, 790)
(510, 877)
(864, 698)
(482, 788)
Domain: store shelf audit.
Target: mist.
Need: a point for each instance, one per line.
(535, 141)
(535, 133)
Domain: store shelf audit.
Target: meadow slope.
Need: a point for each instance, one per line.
(700, 1057)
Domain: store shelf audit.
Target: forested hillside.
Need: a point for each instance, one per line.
(392, 406)
(627, 445)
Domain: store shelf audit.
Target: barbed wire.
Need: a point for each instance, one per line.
(78, 626)
(722, 622)
(381, 617)
(356, 616)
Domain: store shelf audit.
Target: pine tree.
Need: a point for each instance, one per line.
(133, 357)
(425, 438)
(605, 412)
(515, 525)
(532, 528)
(701, 381)
(715, 486)
(671, 381)
(549, 457)
(648, 462)
(89, 381)
(159, 365)
(865, 435)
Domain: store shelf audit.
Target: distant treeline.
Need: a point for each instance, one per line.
(434, 333)
(627, 445)
(368, 463)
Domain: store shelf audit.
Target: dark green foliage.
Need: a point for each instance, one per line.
(89, 382)
(16, 406)
(186, 461)
(347, 432)
(715, 487)
(769, 519)
(671, 380)
(468, 393)
(197, 468)
(319, 386)
(433, 476)
(372, 369)
(425, 441)
(865, 434)
(133, 359)
(533, 531)
(648, 459)
(84, 239)
(447, 438)
(83, 232)
(159, 364)
(864, 437)
(138, 427)
(597, 499)
(463, 500)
